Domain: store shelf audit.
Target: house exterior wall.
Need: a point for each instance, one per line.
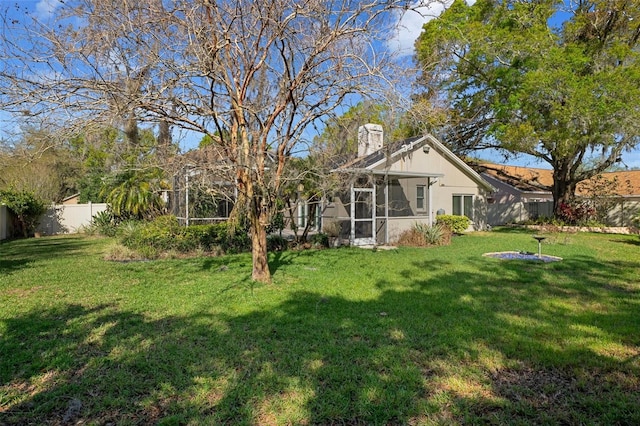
(68, 218)
(454, 182)
(397, 225)
(423, 164)
(510, 205)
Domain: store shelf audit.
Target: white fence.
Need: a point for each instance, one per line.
(622, 213)
(68, 218)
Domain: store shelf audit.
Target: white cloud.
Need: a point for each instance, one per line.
(46, 8)
(410, 22)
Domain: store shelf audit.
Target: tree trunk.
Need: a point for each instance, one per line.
(259, 220)
(564, 188)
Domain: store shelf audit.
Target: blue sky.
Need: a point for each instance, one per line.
(409, 28)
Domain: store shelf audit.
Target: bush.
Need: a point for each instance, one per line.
(436, 235)
(104, 223)
(412, 238)
(577, 213)
(27, 208)
(320, 240)
(276, 243)
(421, 235)
(457, 224)
(165, 234)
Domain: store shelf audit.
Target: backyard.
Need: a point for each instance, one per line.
(436, 335)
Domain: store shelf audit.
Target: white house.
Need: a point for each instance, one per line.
(391, 187)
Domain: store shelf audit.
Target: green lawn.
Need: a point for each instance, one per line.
(346, 336)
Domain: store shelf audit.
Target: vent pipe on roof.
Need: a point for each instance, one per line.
(370, 139)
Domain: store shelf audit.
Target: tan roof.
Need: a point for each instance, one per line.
(623, 182)
(523, 178)
(530, 179)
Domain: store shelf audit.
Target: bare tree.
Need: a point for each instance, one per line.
(254, 74)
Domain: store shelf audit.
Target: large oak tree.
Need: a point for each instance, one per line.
(558, 80)
(252, 75)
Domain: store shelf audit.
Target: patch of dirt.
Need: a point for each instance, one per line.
(23, 292)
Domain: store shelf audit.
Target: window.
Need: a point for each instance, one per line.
(463, 205)
(420, 191)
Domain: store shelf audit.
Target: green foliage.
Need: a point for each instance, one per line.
(136, 193)
(36, 163)
(90, 188)
(339, 138)
(276, 242)
(104, 223)
(422, 235)
(277, 223)
(567, 94)
(27, 208)
(320, 240)
(165, 233)
(457, 224)
(437, 234)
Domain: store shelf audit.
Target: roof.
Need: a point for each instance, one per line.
(525, 179)
(528, 179)
(393, 151)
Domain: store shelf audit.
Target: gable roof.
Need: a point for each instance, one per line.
(529, 179)
(392, 152)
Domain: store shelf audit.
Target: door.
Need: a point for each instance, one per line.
(363, 216)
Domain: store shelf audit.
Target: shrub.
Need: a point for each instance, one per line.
(412, 238)
(276, 243)
(104, 223)
(421, 235)
(165, 234)
(437, 234)
(576, 213)
(27, 208)
(320, 240)
(457, 224)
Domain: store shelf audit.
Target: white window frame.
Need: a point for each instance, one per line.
(460, 210)
(422, 198)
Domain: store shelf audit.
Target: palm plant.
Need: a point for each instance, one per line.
(136, 193)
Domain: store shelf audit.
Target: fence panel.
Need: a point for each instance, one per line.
(68, 218)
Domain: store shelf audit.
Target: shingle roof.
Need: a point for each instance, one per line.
(373, 158)
(530, 179)
(523, 178)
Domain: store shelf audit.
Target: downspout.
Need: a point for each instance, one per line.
(430, 200)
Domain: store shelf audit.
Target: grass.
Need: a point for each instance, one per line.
(346, 336)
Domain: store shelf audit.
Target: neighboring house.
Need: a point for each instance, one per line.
(392, 187)
(71, 199)
(522, 193)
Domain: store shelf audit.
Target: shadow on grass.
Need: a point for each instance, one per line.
(633, 242)
(450, 348)
(17, 254)
(513, 230)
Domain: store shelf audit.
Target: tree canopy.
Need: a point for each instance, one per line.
(556, 80)
(251, 75)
